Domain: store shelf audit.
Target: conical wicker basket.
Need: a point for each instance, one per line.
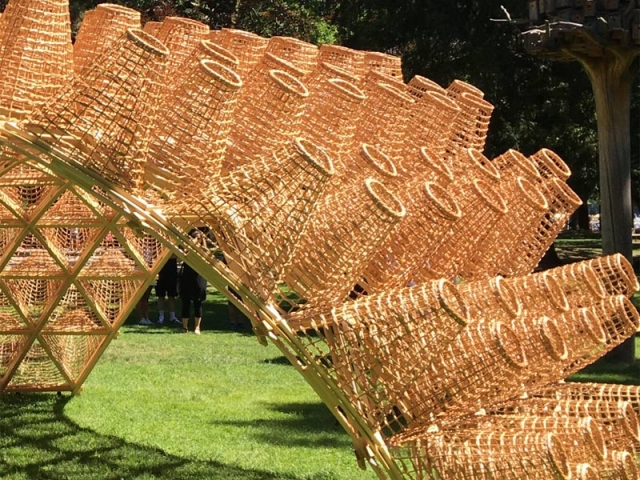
(324, 72)
(458, 87)
(563, 202)
(426, 166)
(261, 210)
(302, 55)
(336, 248)
(418, 86)
(99, 29)
(102, 120)
(616, 273)
(550, 164)
(472, 123)
(384, 119)
(330, 119)
(431, 213)
(347, 59)
(266, 123)
(383, 63)
(36, 54)
(152, 28)
(432, 121)
(514, 164)
(181, 36)
(491, 300)
(541, 295)
(247, 46)
(206, 49)
(189, 141)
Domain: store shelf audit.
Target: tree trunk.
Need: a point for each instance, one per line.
(611, 79)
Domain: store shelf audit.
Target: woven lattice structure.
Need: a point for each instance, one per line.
(98, 30)
(362, 230)
(192, 129)
(36, 55)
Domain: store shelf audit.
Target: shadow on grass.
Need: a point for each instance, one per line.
(605, 372)
(308, 425)
(39, 442)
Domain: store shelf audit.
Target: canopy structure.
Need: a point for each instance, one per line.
(370, 246)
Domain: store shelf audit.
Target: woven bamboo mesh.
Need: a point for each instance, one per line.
(385, 118)
(189, 140)
(540, 295)
(507, 454)
(372, 78)
(481, 366)
(103, 118)
(481, 208)
(550, 164)
(181, 36)
(206, 49)
(616, 273)
(381, 341)
(469, 164)
(458, 87)
(335, 250)
(347, 59)
(431, 213)
(302, 55)
(513, 164)
(432, 122)
(324, 72)
(272, 118)
(527, 206)
(259, 211)
(418, 86)
(563, 202)
(36, 54)
(330, 119)
(427, 166)
(99, 29)
(384, 63)
(247, 46)
(255, 80)
(491, 300)
(472, 123)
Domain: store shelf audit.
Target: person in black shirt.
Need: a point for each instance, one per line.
(167, 289)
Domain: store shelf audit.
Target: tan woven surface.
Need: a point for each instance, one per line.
(472, 123)
(103, 120)
(99, 29)
(302, 55)
(247, 46)
(458, 87)
(347, 59)
(550, 165)
(189, 141)
(267, 121)
(384, 63)
(30, 76)
(418, 86)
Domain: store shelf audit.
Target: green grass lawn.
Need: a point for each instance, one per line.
(160, 404)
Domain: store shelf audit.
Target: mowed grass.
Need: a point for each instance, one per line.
(160, 404)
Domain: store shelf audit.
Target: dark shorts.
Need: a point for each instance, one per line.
(166, 289)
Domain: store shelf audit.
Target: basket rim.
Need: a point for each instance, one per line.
(114, 7)
(396, 212)
(553, 162)
(147, 42)
(497, 203)
(565, 191)
(302, 146)
(436, 163)
(519, 358)
(438, 195)
(379, 160)
(558, 456)
(530, 191)
(507, 296)
(348, 88)
(221, 73)
(447, 103)
(289, 83)
(482, 163)
(552, 339)
(214, 48)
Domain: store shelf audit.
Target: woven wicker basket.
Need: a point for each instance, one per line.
(261, 210)
(541, 295)
(301, 54)
(431, 212)
(432, 121)
(527, 208)
(347, 59)
(472, 123)
(323, 73)
(419, 85)
(103, 120)
(272, 117)
(550, 165)
(181, 36)
(334, 252)
(616, 273)
(482, 208)
(491, 300)
(247, 46)
(537, 240)
(36, 54)
(458, 87)
(330, 120)
(99, 29)
(189, 141)
(384, 119)
(383, 63)
(426, 166)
